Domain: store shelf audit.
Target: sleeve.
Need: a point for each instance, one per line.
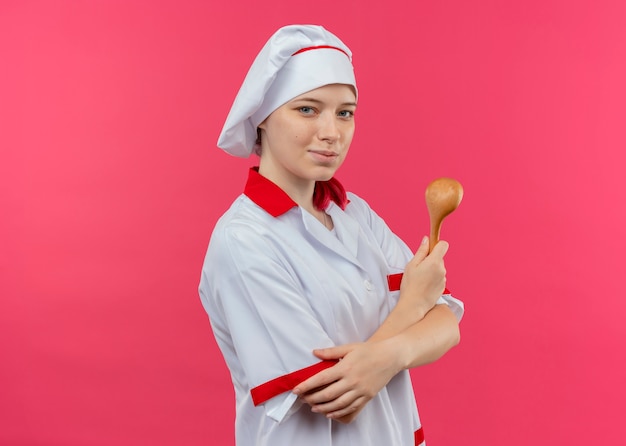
(457, 306)
(396, 252)
(254, 298)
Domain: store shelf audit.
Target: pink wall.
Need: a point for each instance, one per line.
(110, 184)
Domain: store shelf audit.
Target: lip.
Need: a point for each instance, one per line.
(324, 157)
(325, 153)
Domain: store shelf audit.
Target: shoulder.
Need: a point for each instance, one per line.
(360, 209)
(244, 222)
(357, 204)
(249, 232)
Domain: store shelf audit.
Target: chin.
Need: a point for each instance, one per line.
(325, 176)
(325, 172)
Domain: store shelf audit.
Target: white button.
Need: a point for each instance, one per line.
(368, 285)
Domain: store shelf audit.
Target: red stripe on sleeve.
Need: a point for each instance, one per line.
(394, 281)
(286, 383)
(419, 436)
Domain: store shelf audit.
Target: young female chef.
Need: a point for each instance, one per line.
(318, 308)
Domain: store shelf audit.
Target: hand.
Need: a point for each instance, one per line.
(343, 390)
(424, 277)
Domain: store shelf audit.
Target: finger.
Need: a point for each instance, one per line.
(326, 394)
(321, 379)
(440, 249)
(346, 419)
(340, 403)
(337, 352)
(357, 405)
(422, 251)
(354, 406)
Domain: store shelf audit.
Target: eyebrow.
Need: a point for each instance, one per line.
(317, 101)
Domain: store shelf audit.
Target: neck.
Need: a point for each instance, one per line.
(298, 189)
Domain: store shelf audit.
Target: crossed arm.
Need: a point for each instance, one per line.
(415, 333)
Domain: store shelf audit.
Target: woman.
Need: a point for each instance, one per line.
(318, 308)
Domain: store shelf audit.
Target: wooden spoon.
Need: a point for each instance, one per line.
(443, 196)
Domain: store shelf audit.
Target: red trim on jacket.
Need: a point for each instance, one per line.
(275, 201)
(266, 194)
(394, 281)
(286, 383)
(419, 436)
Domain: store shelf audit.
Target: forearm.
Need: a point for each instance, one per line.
(422, 283)
(425, 341)
(403, 316)
(367, 367)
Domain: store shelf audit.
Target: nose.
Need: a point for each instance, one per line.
(328, 129)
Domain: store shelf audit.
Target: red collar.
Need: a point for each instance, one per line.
(266, 194)
(275, 201)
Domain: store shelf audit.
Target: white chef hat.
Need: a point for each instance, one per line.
(296, 59)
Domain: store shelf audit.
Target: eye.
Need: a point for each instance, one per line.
(306, 110)
(346, 114)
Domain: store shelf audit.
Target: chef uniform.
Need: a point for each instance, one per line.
(277, 284)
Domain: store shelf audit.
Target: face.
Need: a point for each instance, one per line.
(307, 139)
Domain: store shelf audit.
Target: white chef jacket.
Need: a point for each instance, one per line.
(276, 284)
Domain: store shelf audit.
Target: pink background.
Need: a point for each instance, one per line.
(110, 184)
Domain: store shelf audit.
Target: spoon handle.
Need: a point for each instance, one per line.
(435, 230)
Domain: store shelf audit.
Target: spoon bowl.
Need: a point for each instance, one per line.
(443, 196)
